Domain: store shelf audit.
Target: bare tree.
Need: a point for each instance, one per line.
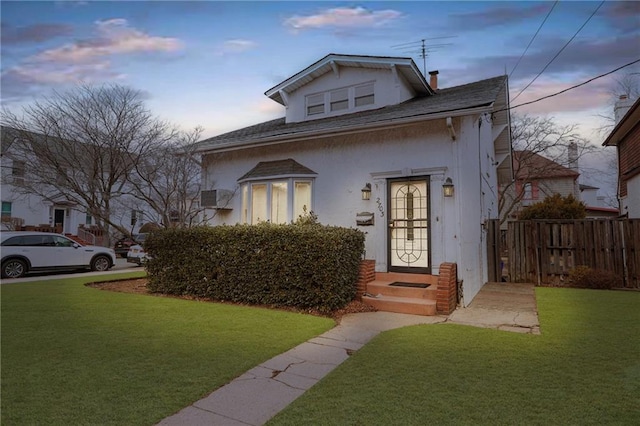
(541, 147)
(167, 180)
(81, 146)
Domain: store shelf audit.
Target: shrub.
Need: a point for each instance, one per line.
(585, 277)
(555, 207)
(308, 267)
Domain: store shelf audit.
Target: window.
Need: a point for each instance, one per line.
(17, 171)
(339, 99)
(88, 219)
(280, 201)
(315, 104)
(6, 209)
(301, 199)
(364, 95)
(136, 216)
(343, 99)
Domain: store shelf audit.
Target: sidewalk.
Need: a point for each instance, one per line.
(262, 392)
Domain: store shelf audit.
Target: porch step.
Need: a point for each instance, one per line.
(402, 305)
(407, 278)
(384, 288)
(77, 239)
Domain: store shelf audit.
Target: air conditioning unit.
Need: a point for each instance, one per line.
(216, 199)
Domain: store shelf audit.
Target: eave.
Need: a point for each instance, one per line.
(341, 131)
(332, 63)
(624, 126)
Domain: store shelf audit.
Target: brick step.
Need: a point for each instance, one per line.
(402, 305)
(383, 287)
(408, 278)
(77, 239)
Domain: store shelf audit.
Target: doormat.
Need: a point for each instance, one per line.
(415, 285)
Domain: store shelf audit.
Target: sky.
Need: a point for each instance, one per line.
(208, 63)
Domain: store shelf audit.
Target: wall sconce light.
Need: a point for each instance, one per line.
(366, 192)
(447, 188)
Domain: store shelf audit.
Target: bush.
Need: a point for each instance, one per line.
(586, 277)
(555, 207)
(308, 267)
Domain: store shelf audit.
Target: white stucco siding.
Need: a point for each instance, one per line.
(389, 89)
(345, 164)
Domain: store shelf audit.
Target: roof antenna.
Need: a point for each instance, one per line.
(421, 48)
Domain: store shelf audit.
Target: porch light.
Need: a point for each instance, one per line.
(447, 188)
(366, 192)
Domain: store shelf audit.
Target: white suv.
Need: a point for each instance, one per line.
(25, 251)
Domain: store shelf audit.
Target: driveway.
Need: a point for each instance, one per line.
(120, 266)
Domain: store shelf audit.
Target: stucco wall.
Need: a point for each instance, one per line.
(345, 163)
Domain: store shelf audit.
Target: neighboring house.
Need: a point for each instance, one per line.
(595, 205)
(23, 210)
(366, 142)
(625, 136)
(537, 177)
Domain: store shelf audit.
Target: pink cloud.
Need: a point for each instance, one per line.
(584, 98)
(116, 37)
(342, 17)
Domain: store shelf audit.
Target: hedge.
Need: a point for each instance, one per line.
(308, 267)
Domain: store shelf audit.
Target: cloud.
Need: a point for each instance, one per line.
(33, 33)
(622, 15)
(235, 46)
(86, 60)
(584, 98)
(342, 17)
(115, 37)
(497, 16)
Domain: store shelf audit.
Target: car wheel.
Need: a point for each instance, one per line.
(100, 264)
(14, 268)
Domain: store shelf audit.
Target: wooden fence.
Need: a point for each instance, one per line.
(545, 251)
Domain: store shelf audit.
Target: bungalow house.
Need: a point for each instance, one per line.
(625, 136)
(367, 142)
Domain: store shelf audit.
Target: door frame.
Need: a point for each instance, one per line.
(409, 269)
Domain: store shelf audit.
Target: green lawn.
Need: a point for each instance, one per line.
(77, 355)
(583, 369)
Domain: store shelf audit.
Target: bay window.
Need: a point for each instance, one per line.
(277, 201)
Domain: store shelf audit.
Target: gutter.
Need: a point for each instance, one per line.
(348, 130)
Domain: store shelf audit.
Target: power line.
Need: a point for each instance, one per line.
(534, 37)
(569, 88)
(560, 51)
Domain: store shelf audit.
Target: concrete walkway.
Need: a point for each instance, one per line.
(262, 392)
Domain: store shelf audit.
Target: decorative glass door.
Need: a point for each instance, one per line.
(408, 232)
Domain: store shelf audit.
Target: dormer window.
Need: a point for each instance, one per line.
(332, 102)
(364, 95)
(339, 99)
(315, 104)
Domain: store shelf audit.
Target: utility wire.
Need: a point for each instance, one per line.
(560, 51)
(569, 88)
(534, 37)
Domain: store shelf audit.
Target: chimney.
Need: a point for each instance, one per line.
(573, 156)
(433, 80)
(623, 104)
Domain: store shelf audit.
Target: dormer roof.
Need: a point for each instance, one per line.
(332, 63)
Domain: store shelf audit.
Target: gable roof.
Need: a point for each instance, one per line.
(332, 62)
(452, 101)
(288, 167)
(535, 166)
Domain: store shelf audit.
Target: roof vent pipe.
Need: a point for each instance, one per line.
(433, 80)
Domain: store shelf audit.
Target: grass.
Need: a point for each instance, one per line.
(78, 355)
(583, 369)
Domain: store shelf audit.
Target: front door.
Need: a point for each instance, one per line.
(58, 220)
(408, 230)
